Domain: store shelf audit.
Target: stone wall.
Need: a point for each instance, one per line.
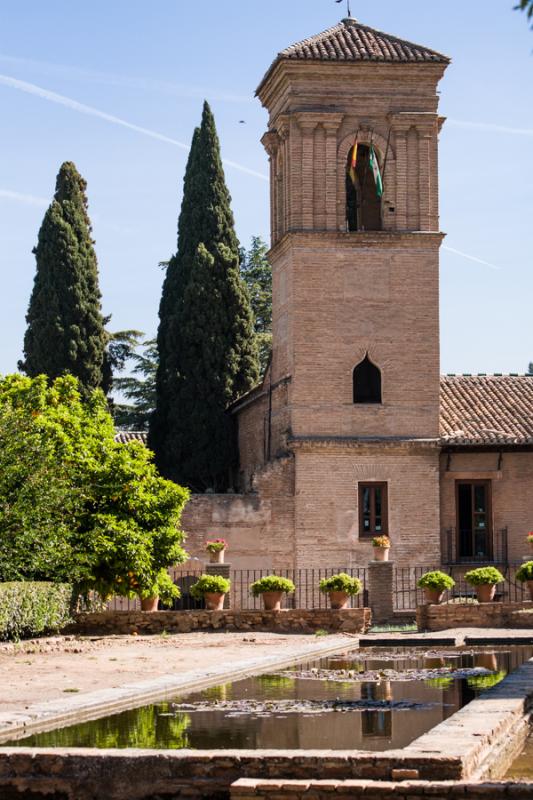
(258, 526)
(248, 789)
(350, 620)
(472, 615)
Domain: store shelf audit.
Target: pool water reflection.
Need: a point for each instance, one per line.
(371, 700)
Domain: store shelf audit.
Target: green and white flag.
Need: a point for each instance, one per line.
(374, 164)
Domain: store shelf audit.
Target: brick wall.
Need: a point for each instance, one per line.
(471, 615)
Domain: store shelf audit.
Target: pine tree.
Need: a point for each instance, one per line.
(206, 344)
(257, 275)
(65, 332)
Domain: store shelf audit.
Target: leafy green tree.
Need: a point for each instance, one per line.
(65, 332)
(139, 387)
(527, 6)
(257, 275)
(120, 348)
(206, 345)
(74, 504)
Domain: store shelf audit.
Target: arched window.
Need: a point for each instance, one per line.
(363, 206)
(366, 382)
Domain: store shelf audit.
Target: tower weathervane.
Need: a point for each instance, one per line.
(349, 13)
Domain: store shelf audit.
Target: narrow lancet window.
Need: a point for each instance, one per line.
(363, 189)
(366, 382)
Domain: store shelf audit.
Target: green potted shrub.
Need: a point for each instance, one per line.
(211, 589)
(484, 580)
(434, 585)
(162, 587)
(272, 588)
(525, 575)
(381, 545)
(340, 588)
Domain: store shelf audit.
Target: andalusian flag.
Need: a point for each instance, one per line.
(374, 165)
(353, 163)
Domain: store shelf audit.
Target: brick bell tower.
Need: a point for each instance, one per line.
(355, 290)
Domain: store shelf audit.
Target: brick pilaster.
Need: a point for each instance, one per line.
(380, 585)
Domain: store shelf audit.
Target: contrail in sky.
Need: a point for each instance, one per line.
(68, 102)
(490, 127)
(29, 199)
(470, 258)
(127, 81)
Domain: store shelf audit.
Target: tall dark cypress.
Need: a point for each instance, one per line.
(65, 332)
(207, 352)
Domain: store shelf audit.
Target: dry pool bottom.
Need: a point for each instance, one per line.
(364, 715)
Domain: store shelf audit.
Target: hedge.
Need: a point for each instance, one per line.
(30, 609)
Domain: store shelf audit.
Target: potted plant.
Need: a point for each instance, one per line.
(216, 548)
(211, 589)
(340, 588)
(272, 588)
(434, 585)
(530, 539)
(484, 580)
(525, 575)
(162, 587)
(381, 545)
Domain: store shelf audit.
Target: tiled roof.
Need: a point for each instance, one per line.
(486, 409)
(352, 41)
(123, 437)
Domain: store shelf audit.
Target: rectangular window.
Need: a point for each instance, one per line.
(474, 529)
(373, 511)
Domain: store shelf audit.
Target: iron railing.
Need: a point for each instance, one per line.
(306, 596)
(407, 595)
(498, 550)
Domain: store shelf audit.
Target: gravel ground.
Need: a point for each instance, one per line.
(47, 669)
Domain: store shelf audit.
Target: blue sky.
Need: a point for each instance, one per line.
(151, 64)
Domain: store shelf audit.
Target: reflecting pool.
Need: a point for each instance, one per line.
(364, 700)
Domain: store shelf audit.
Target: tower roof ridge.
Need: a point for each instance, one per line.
(352, 41)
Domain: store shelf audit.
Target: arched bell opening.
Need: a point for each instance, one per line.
(363, 191)
(366, 382)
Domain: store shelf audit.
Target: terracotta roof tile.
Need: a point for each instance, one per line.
(486, 409)
(349, 40)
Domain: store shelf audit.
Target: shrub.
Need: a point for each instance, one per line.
(216, 545)
(483, 576)
(525, 572)
(341, 583)
(272, 583)
(31, 609)
(209, 584)
(436, 580)
(381, 541)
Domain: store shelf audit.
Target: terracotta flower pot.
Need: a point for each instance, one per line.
(272, 600)
(433, 596)
(486, 661)
(214, 601)
(485, 593)
(530, 587)
(149, 603)
(216, 557)
(339, 599)
(381, 553)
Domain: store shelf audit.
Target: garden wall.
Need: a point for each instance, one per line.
(472, 615)
(351, 620)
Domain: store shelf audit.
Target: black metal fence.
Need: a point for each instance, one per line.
(307, 594)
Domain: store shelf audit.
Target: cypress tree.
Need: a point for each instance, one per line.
(65, 332)
(207, 351)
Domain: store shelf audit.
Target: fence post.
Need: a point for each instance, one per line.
(380, 590)
(224, 571)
